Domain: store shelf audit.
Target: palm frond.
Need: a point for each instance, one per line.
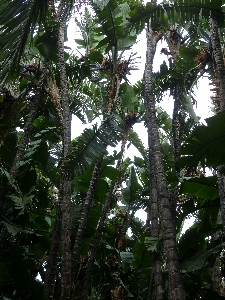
(92, 144)
(17, 19)
(178, 12)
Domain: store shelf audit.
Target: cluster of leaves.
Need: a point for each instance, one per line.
(123, 264)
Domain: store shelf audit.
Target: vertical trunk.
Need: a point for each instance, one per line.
(84, 218)
(97, 239)
(100, 229)
(168, 236)
(66, 177)
(220, 72)
(53, 256)
(218, 58)
(155, 233)
(221, 186)
(216, 275)
(176, 148)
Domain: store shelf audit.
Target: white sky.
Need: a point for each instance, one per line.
(202, 95)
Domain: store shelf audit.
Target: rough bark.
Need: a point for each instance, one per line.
(84, 218)
(220, 73)
(168, 236)
(155, 233)
(218, 58)
(221, 186)
(66, 177)
(216, 275)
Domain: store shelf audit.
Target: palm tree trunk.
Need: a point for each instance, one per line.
(220, 72)
(167, 227)
(84, 218)
(155, 233)
(100, 228)
(53, 256)
(66, 177)
(97, 239)
(218, 58)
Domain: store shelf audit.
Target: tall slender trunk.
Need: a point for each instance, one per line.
(155, 233)
(218, 58)
(220, 73)
(53, 255)
(168, 236)
(84, 218)
(66, 176)
(97, 239)
(101, 224)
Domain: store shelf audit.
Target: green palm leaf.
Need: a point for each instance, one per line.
(92, 144)
(17, 19)
(178, 12)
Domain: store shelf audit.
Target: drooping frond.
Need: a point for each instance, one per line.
(180, 11)
(17, 19)
(92, 144)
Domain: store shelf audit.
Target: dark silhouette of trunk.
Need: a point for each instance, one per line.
(97, 239)
(216, 275)
(101, 224)
(174, 197)
(84, 218)
(167, 226)
(51, 278)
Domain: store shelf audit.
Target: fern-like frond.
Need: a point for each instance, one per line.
(17, 19)
(92, 144)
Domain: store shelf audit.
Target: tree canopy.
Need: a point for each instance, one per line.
(68, 228)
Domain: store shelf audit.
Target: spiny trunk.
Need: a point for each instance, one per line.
(84, 217)
(216, 275)
(66, 177)
(220, 74)
(221, 186)
(155, 233)
(220, 71)
(176, 148)
(168, 236)
(218, 57)
(53, 256)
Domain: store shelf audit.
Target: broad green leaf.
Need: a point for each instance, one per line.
(203, 187)
(12, 229)
(206, 144)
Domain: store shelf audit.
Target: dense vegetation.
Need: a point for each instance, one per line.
(66, 205)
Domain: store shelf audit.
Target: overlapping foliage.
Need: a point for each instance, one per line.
(123, 264)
